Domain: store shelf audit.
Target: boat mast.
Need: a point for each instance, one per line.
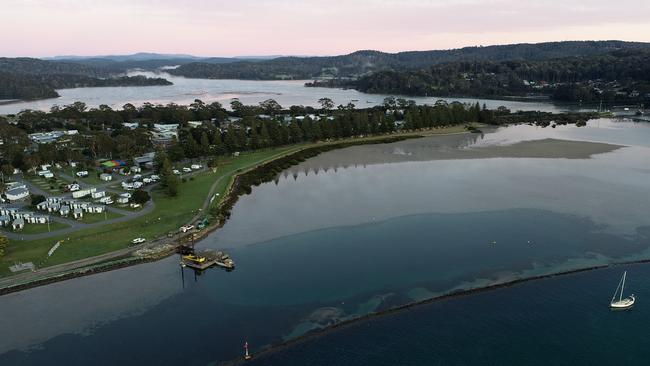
(622, 286)
(617, 287)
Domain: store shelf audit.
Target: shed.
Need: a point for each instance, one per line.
(5, 220)
(43, 206)
(78, 214)
(98, 194)
(18, 224)
(65, 210)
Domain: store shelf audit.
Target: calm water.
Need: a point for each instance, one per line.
(555, 321)
(287, 93)
(365, 229)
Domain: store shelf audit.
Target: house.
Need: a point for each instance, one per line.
(48, 175)
(163, 139)
(98, 194)
(106, 177)
(22, 214)
(145, 159)
(38, 219)
(65, 210)
(18, 224)
(7, 211)
(131, 125)
(52, 200)
(94, 208)
(194, 124)
(78, 214)
(5, 220)
(43, 206)
(54, 207)
(162, 127)
(124, 198)
(45, 137)
(17, 194)
(83, 192)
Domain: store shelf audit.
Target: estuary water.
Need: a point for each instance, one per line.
(368, 228)
(251, 92)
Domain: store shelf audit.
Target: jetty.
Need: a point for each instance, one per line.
(206, 259)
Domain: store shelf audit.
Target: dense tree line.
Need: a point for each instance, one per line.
(102, 135)
(615, 76)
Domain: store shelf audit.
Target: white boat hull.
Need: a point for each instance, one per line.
(623, 304)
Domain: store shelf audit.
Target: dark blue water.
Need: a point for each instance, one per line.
(289, 285)
(555, 321)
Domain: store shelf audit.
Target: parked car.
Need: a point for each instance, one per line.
(137, 177)
(196, 166)
(176, 171)
(187, 170)
(82, 173)
(147, 180)
(186, 228)
(155, 178)
(138, 240)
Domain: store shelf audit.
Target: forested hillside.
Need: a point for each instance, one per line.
(28, 78)
(364, 62)
(618, 75)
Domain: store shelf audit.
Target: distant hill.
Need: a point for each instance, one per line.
(149, 61)
(29, 78)
(365, 62)
(140, 56)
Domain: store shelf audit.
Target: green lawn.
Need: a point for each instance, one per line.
(169, 214)
(94, 217)
(38, 228)
(91, 179)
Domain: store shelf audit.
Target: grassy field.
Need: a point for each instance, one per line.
(97, 217)
(91, 179)
(168, 215)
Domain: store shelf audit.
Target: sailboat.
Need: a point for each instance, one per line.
(621, 303)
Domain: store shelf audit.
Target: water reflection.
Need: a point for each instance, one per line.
(251, 92)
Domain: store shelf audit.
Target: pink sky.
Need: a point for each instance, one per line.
(305, 27)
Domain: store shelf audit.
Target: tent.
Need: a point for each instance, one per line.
(113, 163)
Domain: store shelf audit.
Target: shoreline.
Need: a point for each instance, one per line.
(316, 333)
(236, 188)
